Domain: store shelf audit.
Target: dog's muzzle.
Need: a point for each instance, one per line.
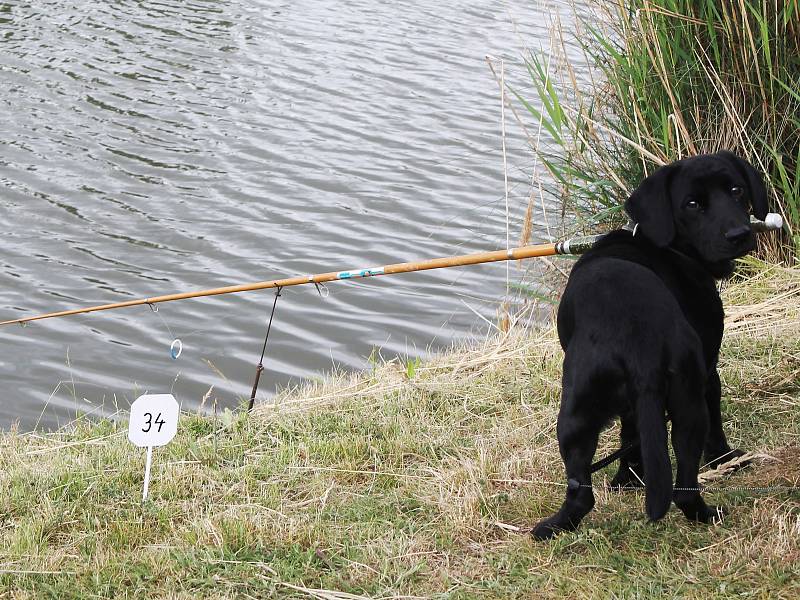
(738, 234)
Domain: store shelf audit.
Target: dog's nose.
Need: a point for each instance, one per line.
(737, 234)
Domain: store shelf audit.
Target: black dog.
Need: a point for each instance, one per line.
(641, 323)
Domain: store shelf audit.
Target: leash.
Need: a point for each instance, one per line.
(621, 453)
(574, 484)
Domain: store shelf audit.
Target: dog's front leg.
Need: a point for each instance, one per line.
(717, 450)
(690, 421)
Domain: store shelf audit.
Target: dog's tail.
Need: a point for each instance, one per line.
(655, 457)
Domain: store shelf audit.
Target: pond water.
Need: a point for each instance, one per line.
(151, 147)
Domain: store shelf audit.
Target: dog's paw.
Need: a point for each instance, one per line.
(713, 514)
(707, 514)
(724, 457)
(547, 529)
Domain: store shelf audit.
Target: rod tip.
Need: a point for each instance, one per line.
(773, 221)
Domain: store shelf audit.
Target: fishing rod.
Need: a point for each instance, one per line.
(574, 246)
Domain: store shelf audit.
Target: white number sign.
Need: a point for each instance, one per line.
(153, 422)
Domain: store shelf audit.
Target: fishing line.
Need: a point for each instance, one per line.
(321, 287)
(176, 347)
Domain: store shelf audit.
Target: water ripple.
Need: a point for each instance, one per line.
(159, 146)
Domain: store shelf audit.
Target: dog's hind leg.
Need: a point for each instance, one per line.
(717, 450)
(578, 431)
(689, 415)
(630, 473)
(577, 439)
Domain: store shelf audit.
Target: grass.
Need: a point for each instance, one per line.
(408, 482)
(420, 480)
(669, 79)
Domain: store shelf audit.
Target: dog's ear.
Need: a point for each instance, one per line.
(650, 206)
(758, 191)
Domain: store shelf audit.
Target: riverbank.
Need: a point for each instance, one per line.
(409, 481)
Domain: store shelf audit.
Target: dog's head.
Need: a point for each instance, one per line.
(701, 205)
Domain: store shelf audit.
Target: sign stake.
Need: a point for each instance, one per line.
(147, 464)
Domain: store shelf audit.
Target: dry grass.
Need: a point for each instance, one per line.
(382, 485)
(768, 305)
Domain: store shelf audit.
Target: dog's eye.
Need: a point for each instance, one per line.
(737, 192)
(692, 204)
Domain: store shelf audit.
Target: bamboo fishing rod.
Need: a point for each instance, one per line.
(574, 246)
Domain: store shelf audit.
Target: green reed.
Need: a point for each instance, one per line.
(669, 79)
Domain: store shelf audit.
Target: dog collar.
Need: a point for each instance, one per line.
(631, 226)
